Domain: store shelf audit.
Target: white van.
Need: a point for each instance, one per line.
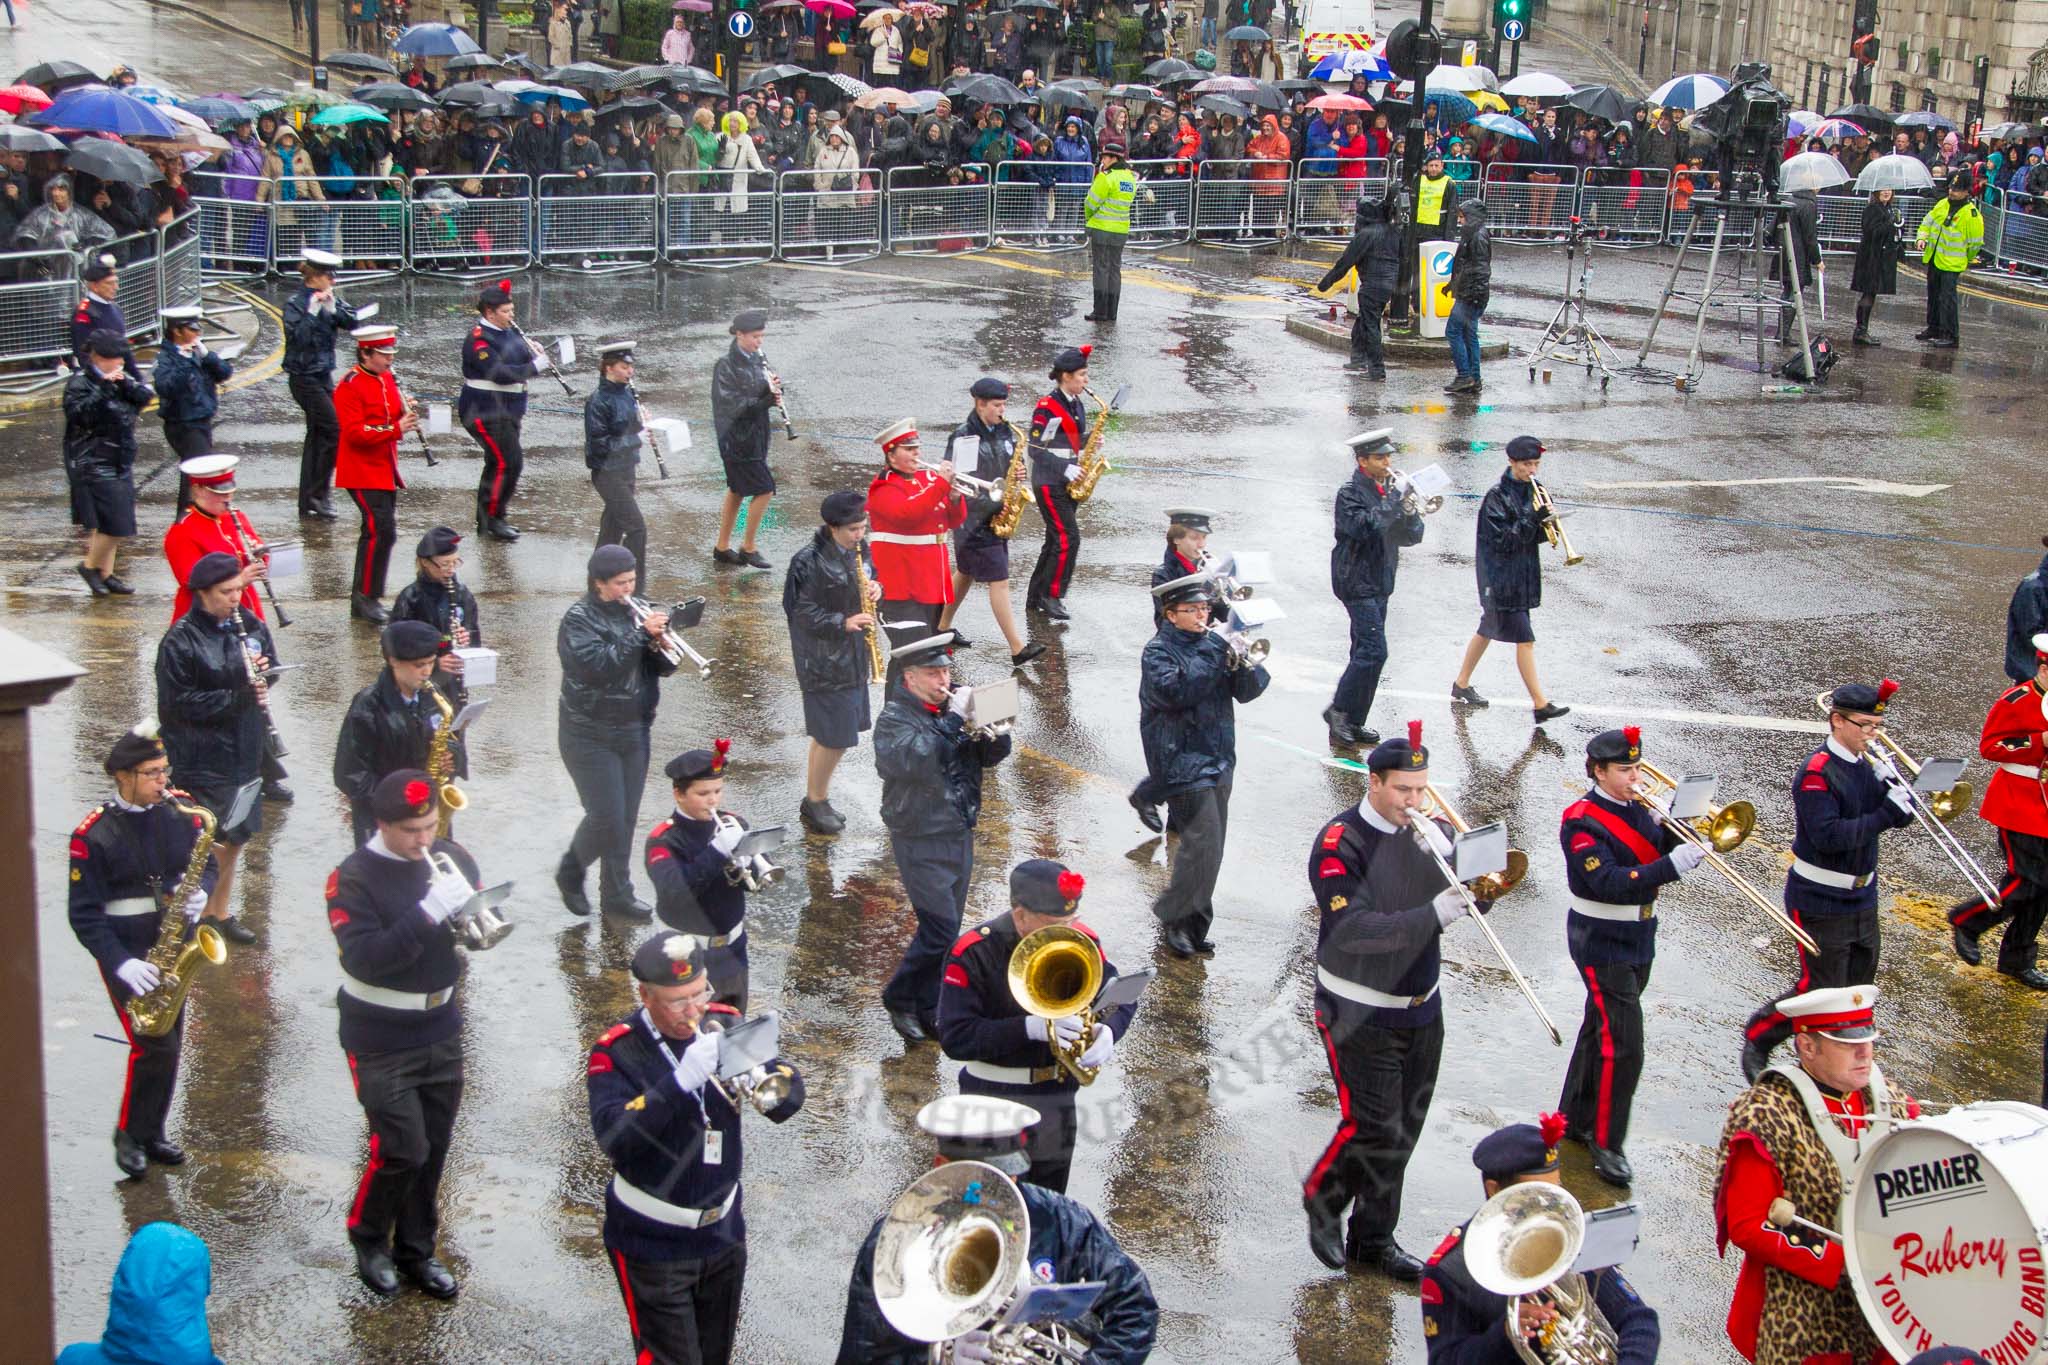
(1333, 26)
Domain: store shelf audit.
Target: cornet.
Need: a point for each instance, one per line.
(1244, 651)
(980, 487)
(478, 922)
(1421, 507)
(752, 872)
(671, 646)
(763, 1086)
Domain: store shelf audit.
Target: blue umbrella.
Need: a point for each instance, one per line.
(217, 110)
(103, 111)
(541, 94)
(1352, 62)
(1504, 125)
(1451, 107)
(1926, 118)
(1689, 92)
(435, 40)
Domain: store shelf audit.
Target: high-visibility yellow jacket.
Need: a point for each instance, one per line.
(1429, 199)
(1950, 241)
(1109, 200)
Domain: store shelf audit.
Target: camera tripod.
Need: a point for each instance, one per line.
(1751, 231)
(1569, 338)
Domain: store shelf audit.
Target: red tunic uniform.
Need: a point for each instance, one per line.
(2013, 800)
(369, 408)
(196, 535)
(909, 517)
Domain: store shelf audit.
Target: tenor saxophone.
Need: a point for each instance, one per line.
(155, 1011)
(448, 798)
(1094, 464)
(870, 602)
(1016, 491)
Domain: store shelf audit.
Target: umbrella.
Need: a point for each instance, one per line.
(1223, 104)
(338, 115)
(634, 77)
(1339, 102)
(831, 9)
(1087, 85)
(1505, 126)
(310, 98)
(1601, 101)
(150, 94)
(473, 61)
(1033, 4)
(359, 61)
(925, 101)
(987, 89)
(1539, 85)
(1869, 115)
(1352, 62)
(783, 71)
(2004, 130)
(1151, 94)
(1835, 129)
(783, 4)
(1248, 33)
(877, 16)
(541, 94)
(1297, 86)
(634, 105)
(1053, 97)
(391, 95)
(465, 93)
(1894, 172)
(435, 40)
(50, 77)
(188, 122)
(1811, 171)
(881, 95)
(1170, 69)
(498, 104)
(103, 111)
(16, 98)
(1461, 78)
(15, 138)
(219, 110)
(583, 76)
(112, 161)
(1798, 121)
(1263, 96)
(1689, 92)
(1452, 108)
(828, 86)
(1927, 118)
(692, 6)
(1487, 100)
(1224, 85)
(518, 61)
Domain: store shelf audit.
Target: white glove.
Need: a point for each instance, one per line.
(1099, 1047)
(957, 702)
(1047, 1030)
(1072, 471)
(1450, 907)
(445, 895)
(1901, 796)
(194, 903)
(138, 976)
(728, 837)
(972, 1348)
(699, 1061)
(1686, 857)
(1437, 839)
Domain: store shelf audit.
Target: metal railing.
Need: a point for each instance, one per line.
(704, 224)
(471, 225)
(944, 219)
(1243, 205)
(578, 227)
(39, 292)
(1626, 205)
(1036, 210)
(823, 216)
(1326, 206)
(2022, 234)
(1163, 211)
(1519, 205)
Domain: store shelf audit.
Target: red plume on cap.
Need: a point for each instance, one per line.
(1552, 1127)
(1071, 884)
(1415, 734)
(504, 286)
(417, 793)
(719, 749)
(1885, 688)
(1087, 351)
(1633, 734)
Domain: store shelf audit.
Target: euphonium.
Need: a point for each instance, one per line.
(448, 798)
(1522, 1244)
(1094, 464)
(1016, 490)
(1055, 973)
(155, 1011)
(871, 603)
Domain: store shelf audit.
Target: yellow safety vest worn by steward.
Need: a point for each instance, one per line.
(1429, 199)
(1949, 241)
(1109, 201)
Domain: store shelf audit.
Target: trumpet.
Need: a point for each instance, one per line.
(763, 1086)
(1243, 650)
(1553, 523)
(752, 872)
(1228, 585)
(1722, 828)
(1420, 507)
(1492, 885)
(973, 483)
(477, 922)
(1932, 809)
(1055, 973)
(669, 645)
(1521, 1245)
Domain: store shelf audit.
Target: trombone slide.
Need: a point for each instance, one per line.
(1493, 940)
(1775, 914)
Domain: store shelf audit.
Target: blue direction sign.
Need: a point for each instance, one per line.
(740, 24)
(1514, 30)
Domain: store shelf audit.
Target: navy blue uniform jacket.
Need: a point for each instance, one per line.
(117, 854)
(1187, 691)
(1619, 855)
(1463, 1324)
(1372, 529)
(1839, 809)
(1510, 530)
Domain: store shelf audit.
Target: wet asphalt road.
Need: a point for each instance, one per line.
(1709, 615)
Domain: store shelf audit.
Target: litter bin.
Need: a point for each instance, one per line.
(1434, 272)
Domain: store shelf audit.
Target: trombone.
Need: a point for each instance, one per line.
(1722, 828)
(1492, 886)
(1725, 827)
(1931, 809)
(1553, 523)
(670, 646)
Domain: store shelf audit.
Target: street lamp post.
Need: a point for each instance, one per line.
(1643, 48)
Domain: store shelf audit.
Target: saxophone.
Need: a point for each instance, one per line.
(1016, 490)
(871, 602)
(448, 797)
(1094, 464)
(155, 1011)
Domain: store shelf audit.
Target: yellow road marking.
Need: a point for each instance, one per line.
(1142, 278)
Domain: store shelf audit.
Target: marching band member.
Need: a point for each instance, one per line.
(979, 554)
(496, 363)
(688, 857)
(743, 389)
(1510, 576)
(212, 695)
(1188, 682)
(931, 767)
(1616, 855)
(437, 597)
(311, 316)
(1067, 1240)
(1187, 550)
(611, 448)
(821, 599)
(1385, 904)
(187, 379)
(127, 857)
(1008, 1052)
(1059, 429)
(389, 904)
(1840, 805)
(2015, 805)
(1375, 521)
(390, 725)
(910, 511)
(1794, 1135)
(100, 405)
(1465, 1324)
(675, 1228)
(99, 310)
(374, 417)
(612, 667)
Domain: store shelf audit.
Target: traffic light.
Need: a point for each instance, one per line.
(1509, 11)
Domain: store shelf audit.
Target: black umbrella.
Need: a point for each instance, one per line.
(633, 105)
(1263, 96)
(464, 94)
(1086, 84)
(50, 77)
(767, 75)
(986, 89)
(1052, 97)
(1223, 104)
(635, 76)
(16, 138)
(96, 156)
(1033, 4)
(1153, 93)
(1300, 87)
(1868, 115)
(518, 61)
(359, 61)
(390, 95)
(1601, 101)
(1170, 68)
(1249, 33)
(474, 61)
(582, 76)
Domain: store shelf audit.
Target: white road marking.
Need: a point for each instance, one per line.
(1839, 483)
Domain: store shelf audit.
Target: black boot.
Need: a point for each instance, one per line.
(1343, 731)
(369, 609)
(1101, 310)
(569, 881)
(1325, 1235)
(129, 1156)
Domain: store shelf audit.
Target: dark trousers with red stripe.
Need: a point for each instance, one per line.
(410, 1097)
(379, 508)
(1385, 1078)
(1607, 1060)
(2022, 904)
(504, 458)
(152, 1070)
(1054, 571)
(682, 1312)
(1847, 957)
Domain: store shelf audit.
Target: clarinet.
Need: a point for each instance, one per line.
(269, 592)
(646, 436)
(273, 743)
(420, 430)
(788, 427)
(455, 622)
(545, 362)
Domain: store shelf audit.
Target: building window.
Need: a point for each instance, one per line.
(1898, 98)
(1927, 100)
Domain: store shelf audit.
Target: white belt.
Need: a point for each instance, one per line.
(493, 388)
(395, 1000)
(2022, 770)
(726, 940)
(1366, 995)
(892, 538)
(1841, 881)
(1012, 1075)
(1608, 910)
(661, 1211)
(133, 905)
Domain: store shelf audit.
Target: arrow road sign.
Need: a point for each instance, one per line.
(1513, 30)
(740, 24)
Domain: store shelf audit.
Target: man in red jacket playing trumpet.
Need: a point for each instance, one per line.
(2015, 802)
(912, 509)
(374, 416)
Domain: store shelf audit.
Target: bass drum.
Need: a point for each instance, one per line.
(1944, 1229)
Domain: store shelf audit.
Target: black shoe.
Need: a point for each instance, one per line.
(1377, 372)
(818, 817)
(233, 930)
(961, 641)
(754, 558)
(1612, 1167)
(164, 1152)
(1389, 1260)
(1862, 338)
(1051, 607)
(1148, 814)
(1967, 947)
(1367, 738)
(1181, 943)
(569, 881)
(727, 556)
(908, 1026)
(1343, 733)
(1944, 343)
(2028, 976)
(309, 514)
(632, 907)
(93, 580)
(1467, 384)
(325, 508)
(1924, 334)
(1207, 945)
(1325, 1235)
(276, 790)
(1026, 655)
(369, 609)
(1357, 366)
(497, 528)
(1550, 710)
(374, 1268)
(117, 585)
(129, 1156)
(1470, 696)
(1755, 1057)
(432, 1277)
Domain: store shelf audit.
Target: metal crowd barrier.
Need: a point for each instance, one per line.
(471, 226)
(2023, 233)
(234, 237)
(1163, 214)
(138, 286)
(579, 229)
(700, 225)
(1841, 221)
(820, 220)
(1031, 215)
(1518, 206)
(945, 219)
(1237, 208)
(1629, 205)
(180, 278)
(368, 234)
(39, 292)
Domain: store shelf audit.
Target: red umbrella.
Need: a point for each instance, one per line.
(831, 9)
(1339, 102)
(16, 98)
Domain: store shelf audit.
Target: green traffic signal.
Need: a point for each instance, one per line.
(1504, 10)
